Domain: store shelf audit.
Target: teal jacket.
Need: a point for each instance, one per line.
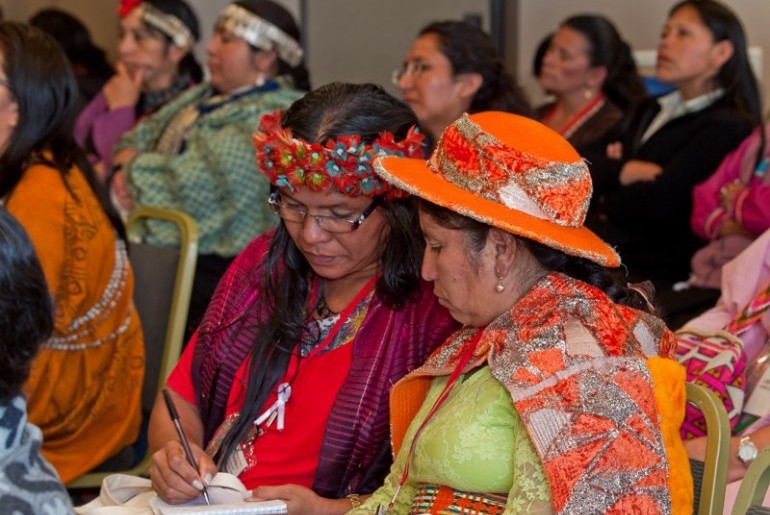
(214, 177)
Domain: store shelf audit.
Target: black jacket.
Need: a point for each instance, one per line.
(649, 222)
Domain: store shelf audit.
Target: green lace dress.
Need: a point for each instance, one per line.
(475, 442)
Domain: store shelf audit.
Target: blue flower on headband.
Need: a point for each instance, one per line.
(333, 168)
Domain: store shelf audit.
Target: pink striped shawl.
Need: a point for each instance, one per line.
(355, 456)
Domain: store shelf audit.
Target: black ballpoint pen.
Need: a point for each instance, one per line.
(185, 444)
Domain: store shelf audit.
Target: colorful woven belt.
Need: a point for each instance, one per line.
(442, 500)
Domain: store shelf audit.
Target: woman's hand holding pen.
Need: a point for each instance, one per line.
(174, 479)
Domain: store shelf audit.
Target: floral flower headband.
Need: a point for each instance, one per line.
(344, 164)
(168, 24)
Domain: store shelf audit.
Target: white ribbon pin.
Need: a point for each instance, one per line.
(278, 409)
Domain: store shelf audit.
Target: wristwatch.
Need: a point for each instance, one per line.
(747, 451)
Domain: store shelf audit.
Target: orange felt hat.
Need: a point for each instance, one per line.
(510, 172)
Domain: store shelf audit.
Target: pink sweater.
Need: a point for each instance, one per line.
(751, 207)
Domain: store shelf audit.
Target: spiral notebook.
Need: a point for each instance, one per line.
(227, 495)
(246, 508)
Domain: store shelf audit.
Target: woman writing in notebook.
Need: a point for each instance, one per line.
(286, 382)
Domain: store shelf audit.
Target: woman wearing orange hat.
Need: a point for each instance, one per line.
(559, 393)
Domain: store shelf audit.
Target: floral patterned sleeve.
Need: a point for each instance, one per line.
(530, 492)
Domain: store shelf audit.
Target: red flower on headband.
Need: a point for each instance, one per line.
(271, 121)
(344, 163)
(126, 6)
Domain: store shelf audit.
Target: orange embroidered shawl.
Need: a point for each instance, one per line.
(85, 385)
(595, 386)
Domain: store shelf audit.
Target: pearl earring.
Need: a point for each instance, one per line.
(588, 94)
(500, 287)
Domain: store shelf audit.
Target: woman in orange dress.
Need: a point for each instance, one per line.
(85, 385)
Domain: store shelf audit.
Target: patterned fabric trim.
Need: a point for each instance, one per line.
(442, 500)
(476, 161)
(79, 334)
(751, 314)
(574, 364)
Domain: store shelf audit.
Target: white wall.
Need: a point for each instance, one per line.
(98, 15)
(364, 40)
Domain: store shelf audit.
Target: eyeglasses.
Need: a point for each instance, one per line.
(329, 223)
(411, 68)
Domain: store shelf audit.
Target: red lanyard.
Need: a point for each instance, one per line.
(578, 119)
(443, 396)
(283, 392)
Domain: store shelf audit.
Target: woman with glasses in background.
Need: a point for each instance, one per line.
(286, 382)
(452, 68)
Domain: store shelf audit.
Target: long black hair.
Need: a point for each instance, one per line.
(328, 112)
(179, 8)
(281, 18)
(610, 281)
(623, 85)
(470, 50)
(26, 309)
(735, 76)
(43, 85)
